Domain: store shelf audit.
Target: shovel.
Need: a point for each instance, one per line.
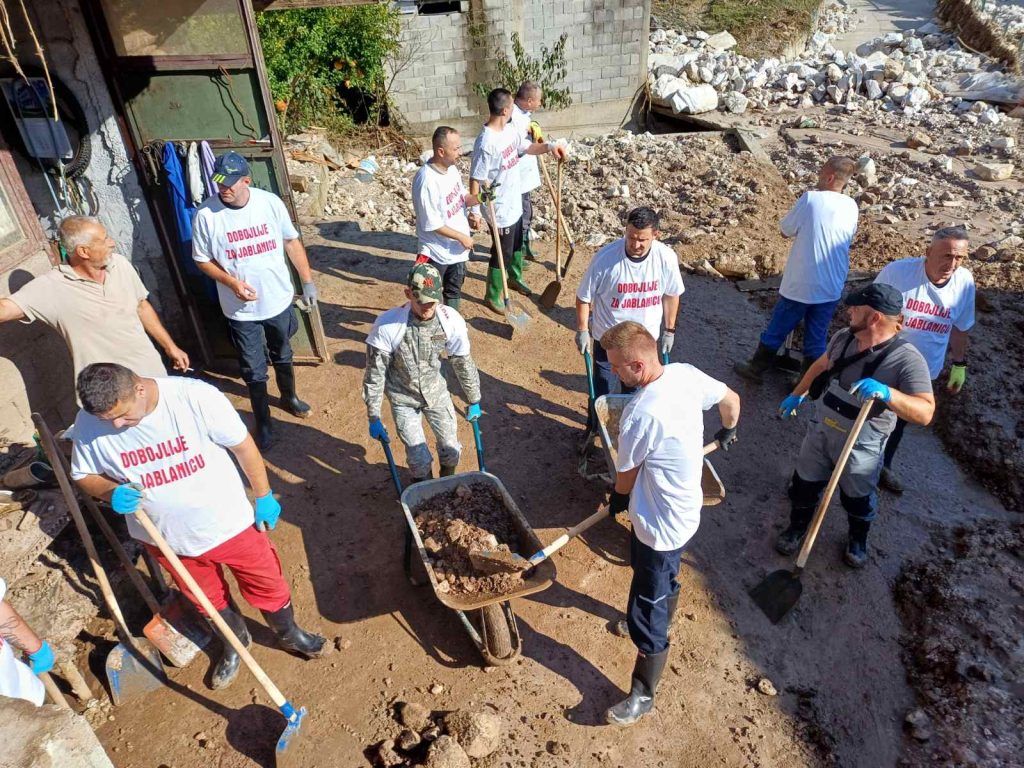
(478, 439)
(175, 629)
(133, 666)
(515, 312)
(285, 753)
(550, 294)
(499, 561)
(780, 590)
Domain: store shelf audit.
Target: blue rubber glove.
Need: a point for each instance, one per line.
(788, 406)
(42, 660)
(473, 412)
(866, 389)
(126, 499)
(377, 431)
(267, 511)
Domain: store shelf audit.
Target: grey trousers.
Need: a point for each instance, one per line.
(441, 418)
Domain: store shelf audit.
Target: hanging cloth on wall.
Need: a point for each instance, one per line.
(184, 211)
(196, 187)
(207, 159)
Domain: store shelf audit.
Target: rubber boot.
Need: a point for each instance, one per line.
(790, 539)
(261, 412)
(856, 555)
(805, 366)
(226, 669)
(285, 373)
(890, 481)
(290, 636)
(752, 370)
(494, 298)
(515, 275)
(447, 471)
(646, 674)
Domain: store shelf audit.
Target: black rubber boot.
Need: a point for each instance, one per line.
(805, 366)
(646, 674)
(447, 471)
(264, 434)
(790, 539)
(753, 369)
(226, 669)
(285, 373)
(290, 636)
(856, 555)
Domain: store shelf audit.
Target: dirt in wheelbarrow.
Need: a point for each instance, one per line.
(469, 518)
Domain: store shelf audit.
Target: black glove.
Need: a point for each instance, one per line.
(617, 502)
(725, 437)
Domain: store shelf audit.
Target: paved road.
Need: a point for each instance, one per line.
(876, 17)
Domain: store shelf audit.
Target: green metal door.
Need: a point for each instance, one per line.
(189, 71)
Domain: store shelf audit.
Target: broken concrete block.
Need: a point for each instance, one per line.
(47, 737)
(695, 100)
(919, 140)
(873, 89)
(1003, 142)
(723, 41)
(735, 102)
(993, 171)
(917, 97)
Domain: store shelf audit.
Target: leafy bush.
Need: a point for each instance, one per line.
(327, 65)
(549, 69)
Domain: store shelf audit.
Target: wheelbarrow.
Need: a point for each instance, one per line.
(609, 413)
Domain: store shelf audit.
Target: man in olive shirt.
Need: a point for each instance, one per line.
(97, 303)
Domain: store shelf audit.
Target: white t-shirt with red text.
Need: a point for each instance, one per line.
(619, 288)
(496, 161)
(248, 243)
(178, 453)
(930, 311)
(529, 165)
(439, 200)
(17, 681)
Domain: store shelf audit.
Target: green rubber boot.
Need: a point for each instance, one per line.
(515, 275)
(493, 297)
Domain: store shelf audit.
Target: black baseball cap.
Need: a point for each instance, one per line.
(881, 297)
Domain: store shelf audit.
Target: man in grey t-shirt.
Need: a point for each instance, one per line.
(866, 361)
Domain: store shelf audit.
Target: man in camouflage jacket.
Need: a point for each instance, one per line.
(403, 361)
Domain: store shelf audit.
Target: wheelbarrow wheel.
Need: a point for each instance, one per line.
(497, 632)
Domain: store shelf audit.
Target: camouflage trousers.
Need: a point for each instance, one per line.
(441, 418)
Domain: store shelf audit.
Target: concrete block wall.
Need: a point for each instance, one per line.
(606, 56)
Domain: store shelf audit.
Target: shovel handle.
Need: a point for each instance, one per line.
(565, 538)
(386, 444)
(496, 234)
(588, 363)
(711, 447)
(154, 533)
(478, 439)
(819, 514)
(560, 220)
(53, 691)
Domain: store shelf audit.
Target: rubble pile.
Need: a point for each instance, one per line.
(1007, 17)
(906, 74)
(438, 741)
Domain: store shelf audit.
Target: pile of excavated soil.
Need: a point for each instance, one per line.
(470, 518)
(963, 651)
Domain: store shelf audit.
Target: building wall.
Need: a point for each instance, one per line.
(35, 368)
(606, 56)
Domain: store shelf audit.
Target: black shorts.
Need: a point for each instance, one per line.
(511, 241)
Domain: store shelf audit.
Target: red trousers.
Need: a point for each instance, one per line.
(253, 560)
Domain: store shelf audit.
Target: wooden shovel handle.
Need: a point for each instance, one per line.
(53, 691)
(565, 538)
(558, 225)
(272, 690)
(555, 200)
(496, 234)
(819, 514)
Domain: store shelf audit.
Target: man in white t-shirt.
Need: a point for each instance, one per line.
(528, 99)
(496, 156)
(403, 362)
(166, 445)
(439, 199)
(17, 679)
(243, 238)
(634, 278)
(938, 313)
(659, 462)
(822, 223)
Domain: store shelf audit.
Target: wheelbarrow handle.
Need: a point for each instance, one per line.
(478, 439)
(664, 358)
(588, 362)
(386, 444)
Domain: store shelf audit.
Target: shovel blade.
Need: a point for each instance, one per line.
(133, 671)
(777, 593)
(517, 315)
(286, 753)
(178, 631)
(492, 561)
(550, 295)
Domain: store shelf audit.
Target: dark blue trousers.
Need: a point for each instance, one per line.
(788, 314)
(654, 582)
(260, 341)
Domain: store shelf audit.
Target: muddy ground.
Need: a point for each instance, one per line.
(837, 662)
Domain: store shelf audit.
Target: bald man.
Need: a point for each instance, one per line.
(659, 463)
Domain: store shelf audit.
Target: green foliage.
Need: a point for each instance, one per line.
(312, 53)
(549, 69)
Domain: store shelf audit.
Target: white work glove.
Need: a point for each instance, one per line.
(309, 295)
(582, 341)
(668, 339)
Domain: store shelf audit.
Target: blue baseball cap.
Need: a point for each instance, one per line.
(229, 168)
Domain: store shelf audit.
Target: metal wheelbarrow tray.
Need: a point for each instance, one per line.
(494, 631)
(609, 412)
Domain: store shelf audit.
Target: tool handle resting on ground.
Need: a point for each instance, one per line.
(232, 639)
(819, 514)
(478, 439)
(561, 219)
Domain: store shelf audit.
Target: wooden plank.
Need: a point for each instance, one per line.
(772, 283)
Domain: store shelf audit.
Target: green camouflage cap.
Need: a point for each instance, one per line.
(425, 283)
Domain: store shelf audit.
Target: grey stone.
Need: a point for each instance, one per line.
(735, 102)
(993, 171)
(413, 715)
(478, 733)
(445, 752)
(723, 41)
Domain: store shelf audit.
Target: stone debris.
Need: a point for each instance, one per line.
(446, 753)
(479, 733)
(993, 171)
(767, 687)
